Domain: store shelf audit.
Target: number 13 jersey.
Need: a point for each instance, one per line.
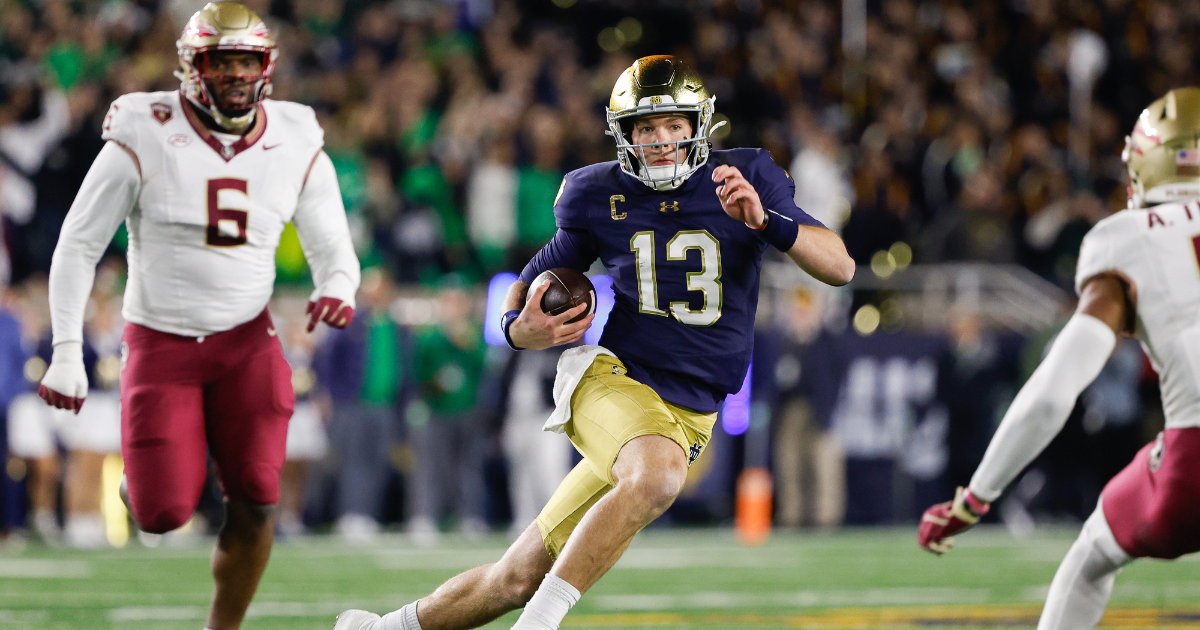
(205, 217)
(1156, 251)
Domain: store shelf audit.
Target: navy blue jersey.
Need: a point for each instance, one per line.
(685, 274)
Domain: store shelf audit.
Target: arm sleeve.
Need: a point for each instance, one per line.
(777, 190)
(320, 222)
(105, 198)
(571, 248)
(1042, 406)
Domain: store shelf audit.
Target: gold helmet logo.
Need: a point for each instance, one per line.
(1163, 152)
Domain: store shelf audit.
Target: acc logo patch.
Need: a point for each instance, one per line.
(180, 140)
(1156, 453)
(161, 112)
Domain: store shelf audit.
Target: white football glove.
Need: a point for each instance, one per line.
(332, 303)
(65, 384)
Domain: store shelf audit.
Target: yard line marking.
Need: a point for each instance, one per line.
(857, 617)
(32, 568)
(794, 599)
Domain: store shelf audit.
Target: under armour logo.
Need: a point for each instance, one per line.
(672, 207)
(617, 371)
(693, 453)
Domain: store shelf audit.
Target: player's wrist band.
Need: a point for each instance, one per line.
(779, 231)
(973, 504)
(506, 320)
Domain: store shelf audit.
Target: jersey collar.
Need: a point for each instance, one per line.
(227, 152)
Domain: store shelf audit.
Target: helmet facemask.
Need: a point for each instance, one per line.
(225, 27)
(633, 156)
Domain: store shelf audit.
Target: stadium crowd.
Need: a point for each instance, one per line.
(985, 131)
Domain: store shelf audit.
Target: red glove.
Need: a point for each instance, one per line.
(944, 520)
(330, 310)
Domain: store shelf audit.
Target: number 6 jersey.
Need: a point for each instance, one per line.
(1156, 250)
(204, 212)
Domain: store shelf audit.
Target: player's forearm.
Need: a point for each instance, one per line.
(324, 233)
(108, 192)
(515, 299)
(822, 255)
(1042, 406)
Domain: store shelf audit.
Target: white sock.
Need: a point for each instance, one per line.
(553, 599)
(1084, 580)
(403, 619)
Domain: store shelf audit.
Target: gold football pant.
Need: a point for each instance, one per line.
(608, 409)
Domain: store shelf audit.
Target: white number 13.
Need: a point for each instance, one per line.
(707, 280)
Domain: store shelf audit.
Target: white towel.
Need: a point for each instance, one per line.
(572, 365)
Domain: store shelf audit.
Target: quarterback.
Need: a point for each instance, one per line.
(205, 179)
(682, 230)
(1138, 274)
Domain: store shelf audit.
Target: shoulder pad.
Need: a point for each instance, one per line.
(126, 114)
(1107, 245)
(298, 118)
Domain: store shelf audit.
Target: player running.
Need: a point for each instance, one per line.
(682, 230)
(205, 180)
(1137, 275)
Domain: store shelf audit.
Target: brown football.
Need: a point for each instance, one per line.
(568, 289)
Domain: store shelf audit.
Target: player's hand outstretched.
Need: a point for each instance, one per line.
(738, 198)
(65, 384)
(533, 329)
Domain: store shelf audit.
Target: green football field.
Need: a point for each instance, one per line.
(692, 579)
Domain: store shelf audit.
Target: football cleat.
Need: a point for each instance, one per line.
(355, 620)
(224, 26)
(660, 84)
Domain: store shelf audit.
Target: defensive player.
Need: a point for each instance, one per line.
(205, 180)
(1137, 275)
(682, 231)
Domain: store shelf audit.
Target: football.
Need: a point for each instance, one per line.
(568, 289)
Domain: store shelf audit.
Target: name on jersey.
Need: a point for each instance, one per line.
(1157, 221)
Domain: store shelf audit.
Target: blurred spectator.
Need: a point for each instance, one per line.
(809, 462)
(537, 460)
(447, 434)
(37, 431)
(306, 438)
(360, 379)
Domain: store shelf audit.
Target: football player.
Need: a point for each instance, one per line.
(1137, 276)
(205, 178)
(682, 230)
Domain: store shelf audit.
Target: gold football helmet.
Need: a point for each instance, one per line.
(1163, 152)
(224, 26)
(660, 84)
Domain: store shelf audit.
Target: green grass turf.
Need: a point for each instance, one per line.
(691, 579)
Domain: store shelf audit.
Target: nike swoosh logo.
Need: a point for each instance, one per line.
(268, 148)
(271, 331)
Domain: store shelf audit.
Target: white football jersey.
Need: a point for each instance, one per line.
(1157, 250)
(204, 218)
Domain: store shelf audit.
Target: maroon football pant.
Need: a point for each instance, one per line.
(229, 394)
(1153, 505)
